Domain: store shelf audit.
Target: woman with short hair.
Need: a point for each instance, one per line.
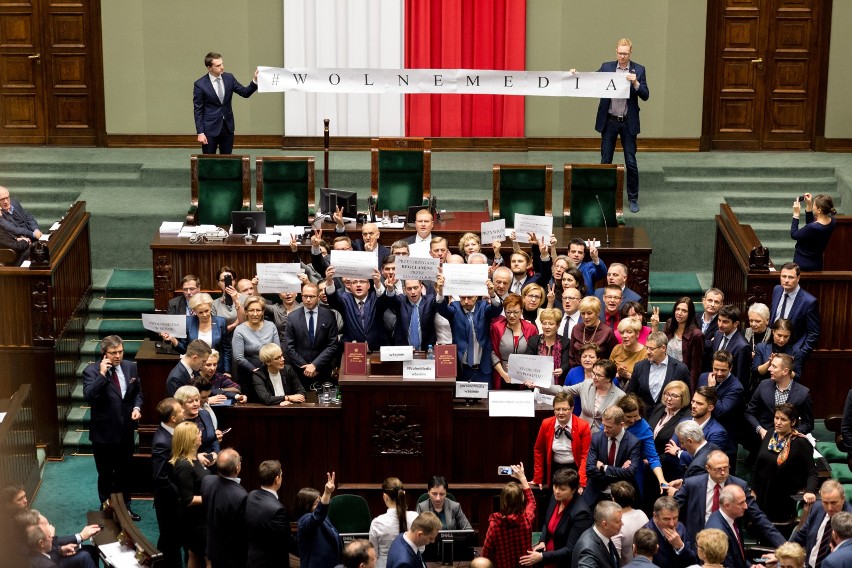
(590, 329)
(508, 536)
(758, 330)
(629, 352)
(249, 337)
(275, 382)
(190, 400)
(448, 511)
(510, 333)
(596, 395)
(211, 329)
(712, 547)
(674, 406)
(550, 344)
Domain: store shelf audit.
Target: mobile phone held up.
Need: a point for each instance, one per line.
(504, 470)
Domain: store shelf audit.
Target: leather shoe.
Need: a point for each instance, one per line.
(133, 516)
(634, 207)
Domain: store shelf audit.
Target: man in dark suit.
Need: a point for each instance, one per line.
(728, 337)
(423, 223)
(617, 276)
(817, 527)
(361, 306)
(790, 302)
(732, 507)
(620, 117)
(114, 393)
(415, 314)
(269, 537)
(520, 263)
(692, 452)
(841, 533)
(702, 405)
(574, 520)
(359, 553)
(760, 412)
(369, 242)
(595, 549)
(211, 99)
(190, 363)
(713, 300)
(592, 270)
(614, 455)
(645, 546)
(47, 549)
(20, 245)
(310, 339)
(165, 493)
(675, 544)
(15, 219)
(470, 319)
(699, 498)
(730, 403)
(225, 501)
(179, 306)
(649, 377)
(404, 551)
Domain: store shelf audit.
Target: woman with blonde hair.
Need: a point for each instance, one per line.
(790, 555)
(396, 520)
(712, 545)
(187, 473)
(629, 351)
(249, 337)
(275, 382)
(533, 297)
(673, 407)
(469, 243)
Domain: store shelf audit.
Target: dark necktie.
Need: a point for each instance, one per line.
(715, 504)
(562, 430)
(611, 456)
(724, 343)
(613, 554)
(361, 314)
(783, 306)
(739, 540)
(471, 340)
(311, 325)
(113, 377)
(420, 559)
(824, 545)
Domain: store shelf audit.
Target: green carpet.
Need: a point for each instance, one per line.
(674, 283)
(129, 283)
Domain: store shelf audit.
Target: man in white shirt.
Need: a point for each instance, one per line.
(732, 506)
(571, 311)
(423, 222)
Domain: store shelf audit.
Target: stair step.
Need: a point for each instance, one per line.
(131, 284)
(51, 180)
(124, 308)
(78, 417)
(754, 171)
(77, 393)
(70, 168)
(127, 328)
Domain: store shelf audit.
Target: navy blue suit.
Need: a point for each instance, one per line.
(483, 312)
(371, 331)
(761, 408)
(629, 449)
(735, 558)
(841, 557)
(639, 381)
(666, 555)
(19, 222)
(319, 542)
(322, 351)
(740, 350)
(628, 130)
(698, 464)
(627, 295)
(692, 497)
(804, 315)
(111, 429)
(728, 410)
(178, 377)
(165, 498)
(401, 555)
(715, 434)
(215, 118)
(227, 539)
(268, 530)
(807, 535)
(403, 310)
(221, 340)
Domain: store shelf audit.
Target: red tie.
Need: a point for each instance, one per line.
(611, 456)
(739, 540)
(113, 376)
(715, 506)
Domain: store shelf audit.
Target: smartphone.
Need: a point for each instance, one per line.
(801, 199)
(225, 431)
(504, 470)
(229, 280)
(759, 561)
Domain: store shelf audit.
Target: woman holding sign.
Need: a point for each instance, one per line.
(549, 343)
(509, 334)
(209, 328)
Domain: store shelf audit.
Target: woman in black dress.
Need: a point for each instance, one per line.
(812, 239)
(785, 466)
(187, 473)
(672, 408)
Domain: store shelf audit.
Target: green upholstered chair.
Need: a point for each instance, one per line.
(401, 172)
(285, 189)
(349, 513)
(220, 184)
(585, 181)
(521, 188)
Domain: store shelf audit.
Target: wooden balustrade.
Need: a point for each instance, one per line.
(18, 462)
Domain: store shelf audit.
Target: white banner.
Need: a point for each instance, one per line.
(465, 279)
(511, 403)
(413, 268)
(444, 81)
(537, 369)
(491, 231)
(354, 264)
(162, 323)
(278, 277)
(541, 225)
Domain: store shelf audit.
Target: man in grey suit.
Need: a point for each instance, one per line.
(266, 520)
(594, 548)
(16, 219)
(310, 338)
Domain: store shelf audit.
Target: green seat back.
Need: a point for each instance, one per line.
(585, 184)
(285, 192)
(522, 191)
(220, 190)
(400, 179)
(349, 514)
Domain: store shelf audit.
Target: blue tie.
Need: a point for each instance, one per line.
(311, 325)
(414, 327)
(471, 340)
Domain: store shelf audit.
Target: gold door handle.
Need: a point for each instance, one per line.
(759, 60)
(36, 56)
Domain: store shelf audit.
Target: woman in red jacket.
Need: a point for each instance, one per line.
(565, 447)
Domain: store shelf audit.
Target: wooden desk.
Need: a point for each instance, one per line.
(174, 257)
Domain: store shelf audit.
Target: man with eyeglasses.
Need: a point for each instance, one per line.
(310, 338)
(699, 498)
(649, 377)
(813, 532)
(15, 219)
(571, 311)
(612, 302)
(179, 306)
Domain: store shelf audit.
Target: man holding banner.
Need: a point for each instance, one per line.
(361, 306)
(415, 314)
(620, 117)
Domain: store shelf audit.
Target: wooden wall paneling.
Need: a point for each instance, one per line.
(837, 255)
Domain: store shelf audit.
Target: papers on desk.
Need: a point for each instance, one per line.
(26, 264)
(44, 237)
(399, 225)
(167, 227)
(119, 556)
(511, 403)
(273, 239)
(286, 231)
(189, 230)
(56, 225)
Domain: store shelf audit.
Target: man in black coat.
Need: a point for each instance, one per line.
(20, 245)
(312, 358)
(266, 520)
(225, 501)
(165, 493)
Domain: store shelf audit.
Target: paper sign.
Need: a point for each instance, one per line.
(491, 231)
(541, 225)
(354, 264)
(288, 231)
(471, 390)
(397, 353)
(465, 279)
(534, 368)
(419, 250)
(277, 277)
(419, 370)
(595, 242)
(511, 403)
(410, 268)
(161, 323)
(541, 398)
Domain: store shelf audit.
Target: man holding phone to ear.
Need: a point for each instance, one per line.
(112, 388)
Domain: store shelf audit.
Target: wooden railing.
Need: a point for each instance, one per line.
(40, 328)
(735, 273)
(18, 462)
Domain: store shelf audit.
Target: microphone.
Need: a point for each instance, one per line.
(603, 216)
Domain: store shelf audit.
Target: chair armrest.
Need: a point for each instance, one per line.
(7, 257)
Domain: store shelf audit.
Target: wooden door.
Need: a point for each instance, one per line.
(765, 74)
(51, 70)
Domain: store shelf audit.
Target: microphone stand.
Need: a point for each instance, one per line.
(603, 216)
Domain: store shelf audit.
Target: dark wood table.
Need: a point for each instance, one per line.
(175, 257)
